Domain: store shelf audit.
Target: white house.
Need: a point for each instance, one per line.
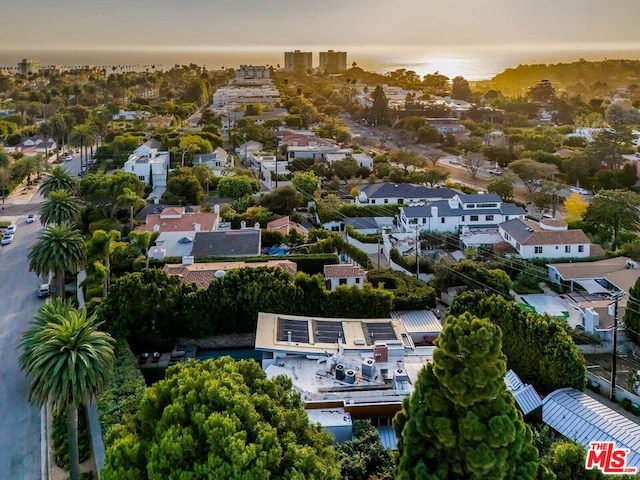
(363, 160)
(151, 168)
(344, 274)
(447, 125)
(461, 213)
(148, 147)
(218, 161)
(548, 239)
(247, 148)
(400, 193)
(33, 145)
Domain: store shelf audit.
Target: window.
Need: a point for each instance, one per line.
(463, 218)
(517, 246)
(473, 218)
(537, 249)
(342, 281)
(488, 218)
(580, 248)
(400, 201)
(567, 249)
(442, 220)
(142, 178)
(487, 205)
(357, 280)
(506, 217)
(373, 201)
(471, 205)
(424, 220)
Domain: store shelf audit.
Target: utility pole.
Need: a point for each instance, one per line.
(612, 392)
(417, 254)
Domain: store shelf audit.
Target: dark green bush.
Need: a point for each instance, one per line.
(371, 238)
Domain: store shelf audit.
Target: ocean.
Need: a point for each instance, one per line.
(474, 63)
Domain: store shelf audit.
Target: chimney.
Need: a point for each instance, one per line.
(187, 260)
(243, 225)
(256, 226)
(216, 209)
(197, 227)
(434, 212)
(156, 228)
(156, 200)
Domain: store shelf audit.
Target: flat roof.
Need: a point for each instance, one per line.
(419, 321)
(298, 334)
(585, 270)
(546, 304)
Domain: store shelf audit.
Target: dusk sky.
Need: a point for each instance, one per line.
(87, 24)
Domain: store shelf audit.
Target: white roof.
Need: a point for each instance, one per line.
(419, 321)
(329, 417)
(525, 396)
(546, 304)
(591, 286)
(583, 419)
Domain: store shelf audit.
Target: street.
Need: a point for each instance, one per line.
(20, 420)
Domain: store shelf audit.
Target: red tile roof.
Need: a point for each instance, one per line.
(186, 223)
(202, 274)
(344, 271)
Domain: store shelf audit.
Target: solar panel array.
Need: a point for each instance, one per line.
(374, 331)
(296, 331)
(327, 332)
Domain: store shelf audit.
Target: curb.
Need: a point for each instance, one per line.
(44, 443)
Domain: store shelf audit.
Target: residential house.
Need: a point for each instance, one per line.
(34, 145)
(526, 397)
(218, 161)
(550, 238)
(460, 213)
(363, 161)
(244, 95)
(232, 243)
(592, 287)
(423, 326)
(284, 225)
(147, 148)
(253, 72)
(160, 121)
(344, 274)
(151, 168)
(202, 274)
(312, 147)
(176, 219)
(128, 115)
(247, 148)
(447, 125)
(400, 193)
(172, 244)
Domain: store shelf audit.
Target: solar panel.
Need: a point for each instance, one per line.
(378, 331)
(327, 332)
(296, 331)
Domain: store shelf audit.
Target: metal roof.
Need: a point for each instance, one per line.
(419, 321)
(583, 419)
(388, 438)
(525, 396)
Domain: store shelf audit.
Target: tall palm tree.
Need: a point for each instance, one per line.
(46, 130)
(58, 249)
(83, 136)
(66, 360)
(59, 206)
(60, 129)
(101, 245)
(58, 178)
(26, 167)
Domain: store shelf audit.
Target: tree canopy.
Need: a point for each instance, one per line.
(460, 422)
(237, 186)
(220, 419)
(614, 211)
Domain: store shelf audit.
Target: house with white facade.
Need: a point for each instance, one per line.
(447, 125)
(363, 160)
(344, 274)
(550, 238)
(34, 145)
(218, 161)
(460, 213)
(400, 193)
(151, 168)
(247, 148)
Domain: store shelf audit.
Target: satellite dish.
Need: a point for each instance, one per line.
(219, 274)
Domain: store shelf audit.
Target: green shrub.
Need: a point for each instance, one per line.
(123, 392)
(61, 442)
(408, 293)
(371, 238)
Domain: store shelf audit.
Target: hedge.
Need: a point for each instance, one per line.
(408, 293)
(370, 238)
(123, 392)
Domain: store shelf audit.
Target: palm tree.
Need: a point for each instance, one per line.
(59, 248)
(66, 360)
(60, 129)
(26, 167)
(5, 158)
(58, 179)
(46, 130)
(129, 199)
(59, 206)
(41, 164)
(101, 245)
(5, 178)
(83, 136)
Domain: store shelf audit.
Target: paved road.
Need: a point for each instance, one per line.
(19, 420)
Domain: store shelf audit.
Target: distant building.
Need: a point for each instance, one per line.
(28, 66)
(252, 72)
(297, 60)
(333, 62)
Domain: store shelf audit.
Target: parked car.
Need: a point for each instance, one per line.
(7, 239)
(495, 171)
(31, 218)
(453, 161)
(44, 290)
(579, 190)
(11, 229)
(68, 158)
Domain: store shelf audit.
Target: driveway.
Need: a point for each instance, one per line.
(19, 420)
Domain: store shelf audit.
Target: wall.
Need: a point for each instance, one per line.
(605, 386)
(370, 248)
(553, 251)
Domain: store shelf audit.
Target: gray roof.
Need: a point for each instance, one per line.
(153, 143)
(444, 210)
(159, 207)
(361, 223)
(526, 232)
(525, 396)
(583, 419)
(405, 190)
(419, 321)
(512, 209)
(479, 198)
(232, 243)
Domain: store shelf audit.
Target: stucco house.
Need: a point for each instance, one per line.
(550, 238)
(344, 274)
(400, 193)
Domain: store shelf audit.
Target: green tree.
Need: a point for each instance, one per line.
(631, 316)
(380, 106)
(461, 422)
(364, 458)
(282, 200)
(192, 144)
(83, 136)
(101, 245)
(66, 360)
(305, 182)
(567, 460)
(608, 146)
(58, 179)
(532, 173)
(231, 422)
(503, 186)
(184, 185)
(237, 186)
(103, 190)
(526, 340)
(460, 89)
(543, 92)
(58, 207)
(614, 211)
(59, 248)
(131, 202)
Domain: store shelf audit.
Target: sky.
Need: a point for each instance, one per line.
(265, 24)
